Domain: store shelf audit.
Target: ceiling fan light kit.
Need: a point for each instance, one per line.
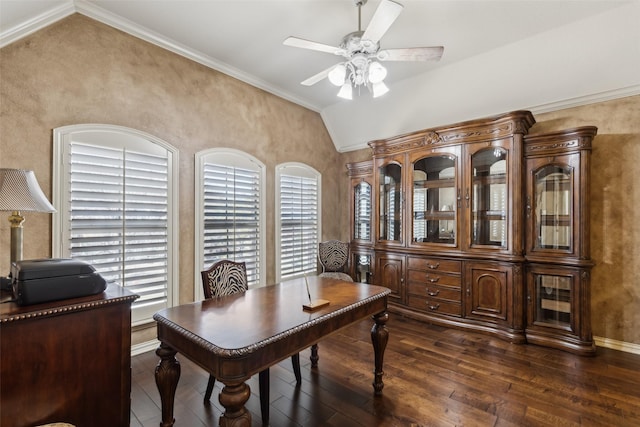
(361, 49)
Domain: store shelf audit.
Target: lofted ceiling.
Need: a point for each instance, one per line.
(499, 55)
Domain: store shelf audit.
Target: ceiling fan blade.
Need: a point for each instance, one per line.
(385, 15)
(307, 44)
(317, 77)
(433, 53)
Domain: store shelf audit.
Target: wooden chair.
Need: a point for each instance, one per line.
(226, 278)
(334, 257)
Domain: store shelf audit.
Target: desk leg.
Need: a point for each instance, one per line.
(167, 376)
(233, 397)
(379, 337)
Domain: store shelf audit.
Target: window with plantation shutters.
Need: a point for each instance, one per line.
(114, 194)
(298, 220)
(229, 206)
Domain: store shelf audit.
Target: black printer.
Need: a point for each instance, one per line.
(41, 280)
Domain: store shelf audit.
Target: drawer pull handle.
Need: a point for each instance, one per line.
(433, 307)
(433, 293)
(433, 266)
(433, 279)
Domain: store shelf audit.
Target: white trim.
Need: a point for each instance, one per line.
(95, 12)
(144, 347)
(36, 23)
(627, 347)
(587, 99)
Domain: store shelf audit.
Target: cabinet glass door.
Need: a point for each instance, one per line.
(362, 267)
(553, 299)
(390, 202)
(362, 211)
(489, 197)
(434, 200)
(553, 196)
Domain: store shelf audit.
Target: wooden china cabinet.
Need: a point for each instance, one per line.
(453, 215)
(557, 239)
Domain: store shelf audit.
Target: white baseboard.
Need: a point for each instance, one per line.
(144, 347)
(627, 347)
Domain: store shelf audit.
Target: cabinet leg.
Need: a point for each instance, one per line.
(379, 338)
(167, 376)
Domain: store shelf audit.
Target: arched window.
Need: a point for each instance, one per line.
(116, 194)
(298, 221)
(229, 206)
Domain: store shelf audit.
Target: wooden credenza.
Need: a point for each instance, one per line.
(66, 361)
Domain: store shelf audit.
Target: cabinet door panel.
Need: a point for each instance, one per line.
(487, 291)
(389, 272)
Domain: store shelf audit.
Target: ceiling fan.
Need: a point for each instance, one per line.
(361, 49)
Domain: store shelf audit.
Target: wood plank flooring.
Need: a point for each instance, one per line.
(433, 377)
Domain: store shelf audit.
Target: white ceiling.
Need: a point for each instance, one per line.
(499, 55)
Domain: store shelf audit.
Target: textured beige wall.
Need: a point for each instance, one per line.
(81, 71)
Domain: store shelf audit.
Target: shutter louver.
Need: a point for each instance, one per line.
(298, 225)
(119, 218)
(232, 217)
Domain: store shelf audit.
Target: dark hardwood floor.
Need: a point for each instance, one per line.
(433, 377)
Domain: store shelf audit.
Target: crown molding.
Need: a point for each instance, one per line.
(36, 23)
(97, 13)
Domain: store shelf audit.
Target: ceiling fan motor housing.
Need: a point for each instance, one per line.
(353, 43)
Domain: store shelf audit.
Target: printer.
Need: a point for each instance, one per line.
(41, 280)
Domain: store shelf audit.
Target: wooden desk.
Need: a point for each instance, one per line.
(67, 360)
(238, 336)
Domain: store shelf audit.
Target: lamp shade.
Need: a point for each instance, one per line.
(337, 75)
(19, 191)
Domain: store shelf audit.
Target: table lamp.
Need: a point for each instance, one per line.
(19, 191)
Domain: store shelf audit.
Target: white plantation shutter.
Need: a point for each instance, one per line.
(115, 208)
(232, 217)
(298, 220)
(229, 206)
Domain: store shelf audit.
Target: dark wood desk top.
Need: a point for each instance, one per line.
(241, 325)
(12, 312)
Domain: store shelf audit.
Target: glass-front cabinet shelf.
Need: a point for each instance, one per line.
(434, 200)
(553, 213)
(553, 299)
(390, 203)
(362, 267)
(489, 197)
(362, 211)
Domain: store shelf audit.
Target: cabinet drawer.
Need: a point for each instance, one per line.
(435, 264)
(435, 305)
(434, 278)
(432, 291)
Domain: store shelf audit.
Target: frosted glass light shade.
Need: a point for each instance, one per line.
(345, 91)
(377, 72)
(337, 75)
(379, 89)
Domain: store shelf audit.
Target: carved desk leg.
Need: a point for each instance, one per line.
(167, 376)
(233, 397)
(314, 356)
(379, 338)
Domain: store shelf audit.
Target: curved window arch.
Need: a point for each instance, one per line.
(298, 219)
(229, 206)
(116, 194)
